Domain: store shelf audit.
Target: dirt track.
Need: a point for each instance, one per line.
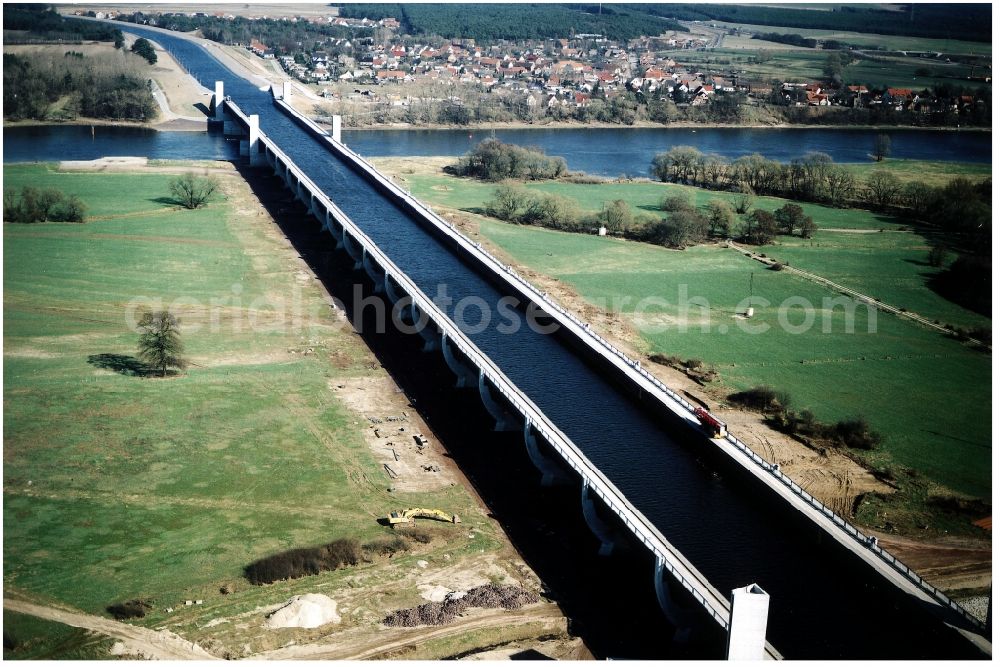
(393, 641)
(162, 645)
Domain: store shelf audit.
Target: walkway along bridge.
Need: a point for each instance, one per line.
(558, 458)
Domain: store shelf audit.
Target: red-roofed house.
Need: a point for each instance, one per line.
(384, 75)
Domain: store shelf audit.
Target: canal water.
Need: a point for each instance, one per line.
(822, 604)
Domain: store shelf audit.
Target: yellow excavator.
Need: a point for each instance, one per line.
(407, 516)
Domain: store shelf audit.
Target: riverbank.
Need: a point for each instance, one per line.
(572, 125)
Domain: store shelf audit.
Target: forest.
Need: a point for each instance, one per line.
(284, 37)
(517, 21)
(50, 86)
(43, 25)
(935, 20)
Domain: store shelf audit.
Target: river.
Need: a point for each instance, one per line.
(600, 151)
(629, 151)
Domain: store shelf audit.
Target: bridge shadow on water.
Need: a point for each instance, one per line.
(610, 601)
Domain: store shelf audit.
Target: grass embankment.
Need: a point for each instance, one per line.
(119, 487)
(927, 395)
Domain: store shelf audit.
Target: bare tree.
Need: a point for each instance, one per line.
(160, 342)
(883, 145)
(193, 191)
(884, 188)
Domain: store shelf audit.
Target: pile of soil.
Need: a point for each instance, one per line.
(304, 611)
(489, 596)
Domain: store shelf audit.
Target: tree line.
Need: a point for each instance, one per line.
(682, 226)
(786, 38)
(814, 177)
(113, 86)
(483, 22)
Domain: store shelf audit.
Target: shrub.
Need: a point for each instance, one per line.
(193, 191)
(296, 563)
(419, 535)
(494, 160)
(665, 360)
(763, 398)
(386, 546)
(676, 202)
(131, 609)
(35, 205)
(854, 433)
(508, 203)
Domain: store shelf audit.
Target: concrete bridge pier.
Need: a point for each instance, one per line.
(682, 618)
(317, 211)
(403, 307)
(552, 473)
(217, 98)
(374, 271)
(598, 526)
(464, 373)
(251, 146)
(354, 250)
(394, 293)
(303, 195)
(335, 230)
(504, 420)
(432, 342)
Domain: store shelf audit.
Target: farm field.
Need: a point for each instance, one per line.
(872, 40)
(928, 395)
(797, 64)
(119, 487)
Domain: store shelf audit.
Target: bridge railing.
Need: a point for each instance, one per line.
(633, 366)
(865, 540)
(684, 572)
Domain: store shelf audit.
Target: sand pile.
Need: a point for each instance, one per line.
(304, 611)
(439, 613)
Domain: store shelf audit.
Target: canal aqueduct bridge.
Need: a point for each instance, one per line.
(606, 509)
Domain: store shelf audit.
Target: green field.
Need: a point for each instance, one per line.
(889, 264)
(936, 174)
(928, 395)
(117, 486)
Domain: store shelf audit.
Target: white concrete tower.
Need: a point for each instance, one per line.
(747, 623)
(217, 100)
